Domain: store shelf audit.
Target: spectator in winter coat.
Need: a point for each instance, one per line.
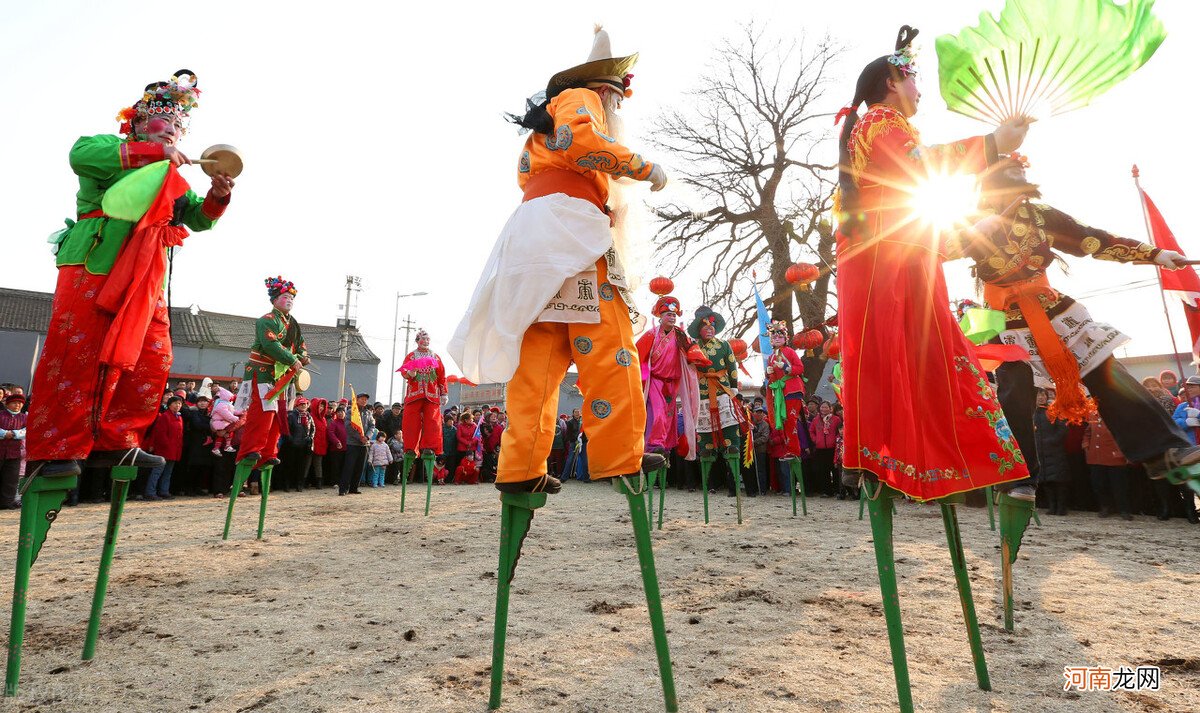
(224, 420)
(389, 421)
(396, 444)
(450, 440)
(335, 436)
(439, 470)
(166, 440)
(379, 457)
(824, 429)
(298, 446)
(1109, 468)
(468, 471)
(320, 445)
(468, 442)
(1187, 413)
(760, 430)
(1169, 381)
(197, 430)
(12, 449)
(1054, 469)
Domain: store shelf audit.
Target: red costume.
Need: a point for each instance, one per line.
(920, 413)
(425, 385)
(785, 391)
(467, 473)
(100, 378)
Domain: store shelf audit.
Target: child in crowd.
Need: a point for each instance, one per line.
(396, 446)
(224, 422)
(380, 458)
(468, 435)
(439, 470)
(468, 470)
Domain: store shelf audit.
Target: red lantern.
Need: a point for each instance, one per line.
(833, 348)
(662, 285)
(808, 339)
(452, 379)
(802, 273)
(739, 348)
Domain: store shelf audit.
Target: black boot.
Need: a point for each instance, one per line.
(133, 457)
(541, 484)
(52, 468)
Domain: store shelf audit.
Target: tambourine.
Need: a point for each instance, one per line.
(220, 158)
(303, 380)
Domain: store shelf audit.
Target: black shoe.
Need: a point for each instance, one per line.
(1127, 517)
(52, 468)
(133, 457)
(168, 496)
(270, 463)
(353, 492)
(1174, 458)
(1104, 512)
(249, 458)
(542, 484)
(151, 498)
(653, 461)
(340, 493)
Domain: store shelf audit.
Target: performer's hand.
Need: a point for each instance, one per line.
(305, 361)
(1170, 260)
(222, 185)
(175, 156)
(658, 178)
(991, 224)
(1011, 134)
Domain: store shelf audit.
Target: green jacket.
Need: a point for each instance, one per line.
(100, 161)
(723, 361)
(277, 343)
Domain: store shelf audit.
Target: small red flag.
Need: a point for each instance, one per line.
(1184, 283)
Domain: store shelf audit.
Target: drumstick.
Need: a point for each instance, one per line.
(203, 160)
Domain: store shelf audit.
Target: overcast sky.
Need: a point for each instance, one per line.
(374, 144)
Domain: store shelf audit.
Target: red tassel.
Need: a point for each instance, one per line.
(842, 114)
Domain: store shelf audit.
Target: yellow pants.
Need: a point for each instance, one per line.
(614, 410)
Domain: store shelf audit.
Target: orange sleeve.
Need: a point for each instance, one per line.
(581, 133)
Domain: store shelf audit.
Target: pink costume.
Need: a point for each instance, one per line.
(666, 376)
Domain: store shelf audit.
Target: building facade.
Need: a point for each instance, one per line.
(206, 344)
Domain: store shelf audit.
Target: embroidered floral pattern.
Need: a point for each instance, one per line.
(523, 165)
(607, 162)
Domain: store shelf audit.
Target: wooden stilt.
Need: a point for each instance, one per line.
(427, 462)
(963, 579)
(879, 501)
(706, 464)
(516, 514)
(409, 457)
(240, 475)
(1014, 519)
(264, 477)
(735, 466)
(989, 494)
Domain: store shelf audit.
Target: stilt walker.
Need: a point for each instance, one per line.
(554, 291)
(900, 344)
(268, 389)
(666, 378)
(785, 399)
(720, 421)
(107, 353)
(1011, 248)
(424, 395)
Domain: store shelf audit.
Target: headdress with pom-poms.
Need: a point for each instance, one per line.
(175, 97)
(422, 333)
(904, 58)
(277, 286)
(777, 326)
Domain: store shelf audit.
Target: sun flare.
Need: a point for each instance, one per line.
(944, 201)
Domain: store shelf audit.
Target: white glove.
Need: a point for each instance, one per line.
(658, 178)
(1170, 260)
(1193, 416)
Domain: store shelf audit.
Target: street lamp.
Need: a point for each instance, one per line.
(395, 330)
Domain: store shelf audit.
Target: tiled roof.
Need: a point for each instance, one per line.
(26, 311)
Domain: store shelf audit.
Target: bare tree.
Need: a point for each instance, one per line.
(746, 140)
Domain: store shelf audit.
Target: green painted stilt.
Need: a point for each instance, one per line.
(409, 457)
(1037, 519)
(641, 534)
(240, 475)
(427, 462)
(39, 507)
(515, 517)
(662, 495)
(1188, 475)
(706, 464)
(264, 477)
(516, 513)
(879, 501)
(735, 466)
(963, 579)
(797, 473)
(121, 478)
(990, 495)
(651, 479)
(1014, 519)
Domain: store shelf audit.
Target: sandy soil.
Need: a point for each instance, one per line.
(350, 605)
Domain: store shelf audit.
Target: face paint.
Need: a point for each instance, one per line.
(778, 340)
(668, 318)
(284, 302)
(707, 331)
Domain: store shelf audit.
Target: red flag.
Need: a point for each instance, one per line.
(1184, 283)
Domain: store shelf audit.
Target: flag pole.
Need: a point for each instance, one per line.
(1157, 270)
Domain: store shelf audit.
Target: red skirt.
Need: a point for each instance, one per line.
(919, 412)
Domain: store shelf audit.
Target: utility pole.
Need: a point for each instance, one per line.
(395, 329)
(345, 324)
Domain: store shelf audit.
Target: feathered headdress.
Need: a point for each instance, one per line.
(777, 326)
(277, 286)
(175, 98)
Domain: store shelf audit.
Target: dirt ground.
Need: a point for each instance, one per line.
(350, 605)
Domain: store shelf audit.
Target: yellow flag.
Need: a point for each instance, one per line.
(355, 417)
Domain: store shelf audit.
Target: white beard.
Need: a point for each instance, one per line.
(629, 217)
